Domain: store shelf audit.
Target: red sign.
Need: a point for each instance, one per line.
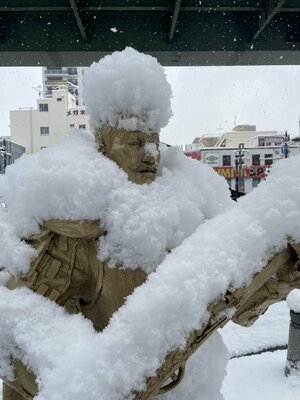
(257, 172)
(196, 154)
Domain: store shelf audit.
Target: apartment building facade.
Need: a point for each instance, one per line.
(71, 77)
(46, 125)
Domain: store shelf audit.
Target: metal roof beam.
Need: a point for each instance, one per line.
(136, 8)
(265, 18)
(144, 8)
(174, 18)
(34, 9)
(78, 19)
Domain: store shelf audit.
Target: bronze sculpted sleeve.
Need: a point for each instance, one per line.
(68, 271)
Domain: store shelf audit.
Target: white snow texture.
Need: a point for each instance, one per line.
(74, 181)
(226, 249)
(293, 300)
(128, 89)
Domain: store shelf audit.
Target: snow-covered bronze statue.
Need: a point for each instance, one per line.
(132, 258)
(66, 269)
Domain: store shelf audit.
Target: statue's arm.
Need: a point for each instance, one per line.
(62, 269)
(62, 272)
(270, 285)
(276, 288)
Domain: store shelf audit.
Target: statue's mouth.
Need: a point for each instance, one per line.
(148, 170)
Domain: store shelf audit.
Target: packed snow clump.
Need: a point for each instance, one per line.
(129, 90)
(293, 300)
(15, 253)
(73, 181)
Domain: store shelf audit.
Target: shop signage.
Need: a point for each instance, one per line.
(77, 111)
(196, 154)
(212, 158)
(246, 172)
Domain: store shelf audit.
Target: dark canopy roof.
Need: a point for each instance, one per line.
(177, 32)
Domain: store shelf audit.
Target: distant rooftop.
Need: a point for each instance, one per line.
(244, 128)
(206, 140)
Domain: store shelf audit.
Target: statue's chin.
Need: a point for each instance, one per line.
(141, 177)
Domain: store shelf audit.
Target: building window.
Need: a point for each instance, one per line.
(255, 182)
(43, 107)
(268, 159)
(226, 161)
(43, 147)
(44, 130)
(52, 71)
(72, 71)
(54, 79)
(72, 125)
(81, 126)
(74, 81)
(255, 159)
(59, 99)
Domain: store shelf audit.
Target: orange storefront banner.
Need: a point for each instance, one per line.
(246, 172)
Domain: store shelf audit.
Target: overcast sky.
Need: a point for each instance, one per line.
(206, 100)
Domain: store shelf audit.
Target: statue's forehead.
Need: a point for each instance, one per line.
(131, 135)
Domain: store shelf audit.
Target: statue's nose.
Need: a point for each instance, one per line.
(148, 156)
(149, 159)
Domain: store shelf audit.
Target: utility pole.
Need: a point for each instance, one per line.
(238, 168)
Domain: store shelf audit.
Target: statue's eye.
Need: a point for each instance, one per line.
(134, 142)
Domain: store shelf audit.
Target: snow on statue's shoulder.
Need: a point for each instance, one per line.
(74, 181)
(129, 90)
(65, 181)
(15, 254)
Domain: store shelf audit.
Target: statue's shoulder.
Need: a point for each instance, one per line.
(78, 229)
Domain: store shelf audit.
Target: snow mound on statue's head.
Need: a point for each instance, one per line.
(129, 90)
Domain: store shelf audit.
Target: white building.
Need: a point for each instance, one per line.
(261, 150)
(253, 166)
(70, 76)
(246, 134)
(245, 172)
(36, 129)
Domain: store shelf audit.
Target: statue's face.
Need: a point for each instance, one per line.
(137, 153)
